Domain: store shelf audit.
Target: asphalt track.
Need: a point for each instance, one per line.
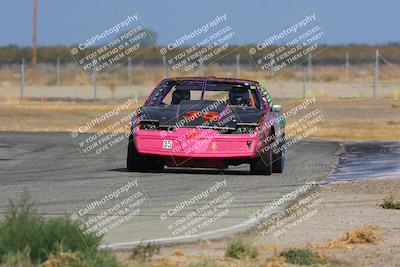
(50, 168)
(363, 160)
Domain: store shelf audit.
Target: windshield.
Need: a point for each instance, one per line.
(234, 93)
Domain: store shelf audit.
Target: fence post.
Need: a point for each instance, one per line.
(166, 69)
(201, 69)
(129, 71)
(304, 82)
(376, 73)
(309, 67)
(238, 66)
(58, 71)
(22, 79)
(94, 81)
(347, 67)
(271, 71)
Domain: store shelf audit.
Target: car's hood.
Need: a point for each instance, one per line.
(184, 114)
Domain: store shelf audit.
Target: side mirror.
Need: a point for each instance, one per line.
(277, 108)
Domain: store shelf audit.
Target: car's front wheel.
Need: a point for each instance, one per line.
(263, 163)
(278, 158)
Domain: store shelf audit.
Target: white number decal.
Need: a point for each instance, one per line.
(167, 144)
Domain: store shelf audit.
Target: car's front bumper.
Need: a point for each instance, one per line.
(193, 142)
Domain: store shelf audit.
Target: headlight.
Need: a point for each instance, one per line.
(148, 125)
(245, 128)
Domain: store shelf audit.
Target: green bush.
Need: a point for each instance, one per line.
(301, 257)
(389, 203)
(240, 249)
(23, 229)
(144, 252)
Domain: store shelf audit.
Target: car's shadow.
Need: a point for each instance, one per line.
(191, 171)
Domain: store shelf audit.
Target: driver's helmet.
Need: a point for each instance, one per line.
(238, 97)
(179, 95)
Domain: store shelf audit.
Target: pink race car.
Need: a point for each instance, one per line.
(207, 122)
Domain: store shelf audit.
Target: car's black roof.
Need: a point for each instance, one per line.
(209, 78)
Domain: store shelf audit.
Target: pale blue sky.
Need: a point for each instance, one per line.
(62, 22)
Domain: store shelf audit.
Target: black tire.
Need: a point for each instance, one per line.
(263, 163)
(134, 162)
(157, 165)
(278, 159)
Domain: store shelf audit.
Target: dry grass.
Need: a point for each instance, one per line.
(34, 116)
(171, 262)
(61, 259)
(354, 119)
(362, 235)
(270, 256)
(275, 261)
(344, 119)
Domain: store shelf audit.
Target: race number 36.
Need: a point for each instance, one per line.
(167, 144)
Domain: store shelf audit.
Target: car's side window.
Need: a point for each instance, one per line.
(177, 94)
(255, 100)
(168, 97)
(158, 93)
(216, 95)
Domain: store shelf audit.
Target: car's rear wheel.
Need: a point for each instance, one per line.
(278, 159)
(134, 161)
(263, 163)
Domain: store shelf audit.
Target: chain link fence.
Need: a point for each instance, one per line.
(67, 81)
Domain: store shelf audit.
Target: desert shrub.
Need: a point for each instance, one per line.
(240, 249)
(301, 257)
(144, 252)
(390, 203)
(23, 229)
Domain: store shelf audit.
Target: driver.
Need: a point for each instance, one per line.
(178, 95)
(239, 97)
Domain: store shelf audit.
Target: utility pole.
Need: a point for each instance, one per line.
(347, 67)
(34, 52)
(238, 66)
(376, 73)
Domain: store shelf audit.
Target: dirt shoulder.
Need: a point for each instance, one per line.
(344, 207)
(331, 231)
